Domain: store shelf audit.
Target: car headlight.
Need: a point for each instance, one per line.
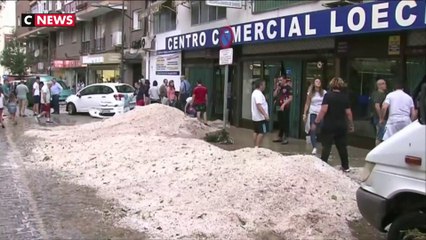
(366, 171)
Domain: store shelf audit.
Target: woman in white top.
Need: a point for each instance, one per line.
(312, 108)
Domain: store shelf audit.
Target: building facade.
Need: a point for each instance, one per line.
(91, 52)
(304, 40)
(7, 11)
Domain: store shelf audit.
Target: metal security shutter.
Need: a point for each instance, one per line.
(289, 46)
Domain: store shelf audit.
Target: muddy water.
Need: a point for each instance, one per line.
(74, 212)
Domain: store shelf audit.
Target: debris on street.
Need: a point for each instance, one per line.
(174, 185)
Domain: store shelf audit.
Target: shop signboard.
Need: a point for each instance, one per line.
(92, 59)
(225, 3)
(166, 65)
(394, 45)
(58, 64)
(66, 63)
(372, 17)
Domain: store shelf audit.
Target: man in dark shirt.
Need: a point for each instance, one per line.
(283, 96)
(377, 99)
(199, 99)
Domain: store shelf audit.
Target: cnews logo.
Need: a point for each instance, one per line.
(48, 20)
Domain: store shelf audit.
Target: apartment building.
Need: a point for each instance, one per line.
(91, 51)
(304, 40)
(7, 11)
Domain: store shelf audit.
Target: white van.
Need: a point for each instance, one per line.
(392, 196)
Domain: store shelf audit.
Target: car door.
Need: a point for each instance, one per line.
(105, 98)
(87, 98)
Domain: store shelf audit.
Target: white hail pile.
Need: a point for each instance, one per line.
(186, 188)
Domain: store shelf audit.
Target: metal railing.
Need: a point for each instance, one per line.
(85, 48)
(99, 45)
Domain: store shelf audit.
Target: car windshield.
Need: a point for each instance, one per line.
(63, 85)
(125, 88)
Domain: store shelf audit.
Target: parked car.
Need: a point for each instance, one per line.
(66, 91)
(392, 196)
(108, 98)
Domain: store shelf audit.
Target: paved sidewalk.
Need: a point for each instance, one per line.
(18, 218)
(244, 138)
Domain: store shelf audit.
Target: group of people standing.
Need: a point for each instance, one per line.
(46, 97)
(16, 98)
(330, 113)
(185, 98)
(147, 94)
(391, 111)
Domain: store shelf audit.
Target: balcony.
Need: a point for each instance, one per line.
(98, 45)
(86, 11)
(85, 48)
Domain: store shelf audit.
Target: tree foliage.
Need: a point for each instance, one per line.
(14, 58)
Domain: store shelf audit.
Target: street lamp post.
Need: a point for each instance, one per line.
(122, 43)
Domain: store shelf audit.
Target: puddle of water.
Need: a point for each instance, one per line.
(70, 211)
(361, 230)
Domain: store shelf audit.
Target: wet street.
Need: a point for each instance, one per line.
(41, 204)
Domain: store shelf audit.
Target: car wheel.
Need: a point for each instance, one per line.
(71, 109)
(408, 226)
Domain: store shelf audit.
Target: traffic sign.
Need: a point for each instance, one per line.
(226, 56)
(226, 37)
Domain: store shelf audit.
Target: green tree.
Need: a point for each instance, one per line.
(14, 58)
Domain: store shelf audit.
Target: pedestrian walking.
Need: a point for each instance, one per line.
(163, 92)
(139, 93)
(401, 111)
(171, 94)
(56, 90)
(2, 103)
(283, 96)
(312, 108)
(200, 98)
(22, 93)
(154, 93)
(259, 112)
(12, 107)
(184, 92)
(45, 101)
(7, 89)
(337, 120)
(36, 96)
(377, 99)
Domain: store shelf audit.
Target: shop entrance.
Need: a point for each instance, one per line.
(217, 92)
(270, 71)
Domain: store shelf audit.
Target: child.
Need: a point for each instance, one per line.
(12, 107)
(189, 108)
(2, 102)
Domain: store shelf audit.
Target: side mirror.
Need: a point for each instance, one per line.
(78, 95)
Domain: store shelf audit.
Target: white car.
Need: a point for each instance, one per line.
(108, 98)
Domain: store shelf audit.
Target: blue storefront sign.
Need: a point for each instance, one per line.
(382, 16)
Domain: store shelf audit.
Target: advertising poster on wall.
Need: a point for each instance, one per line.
(166, 65)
